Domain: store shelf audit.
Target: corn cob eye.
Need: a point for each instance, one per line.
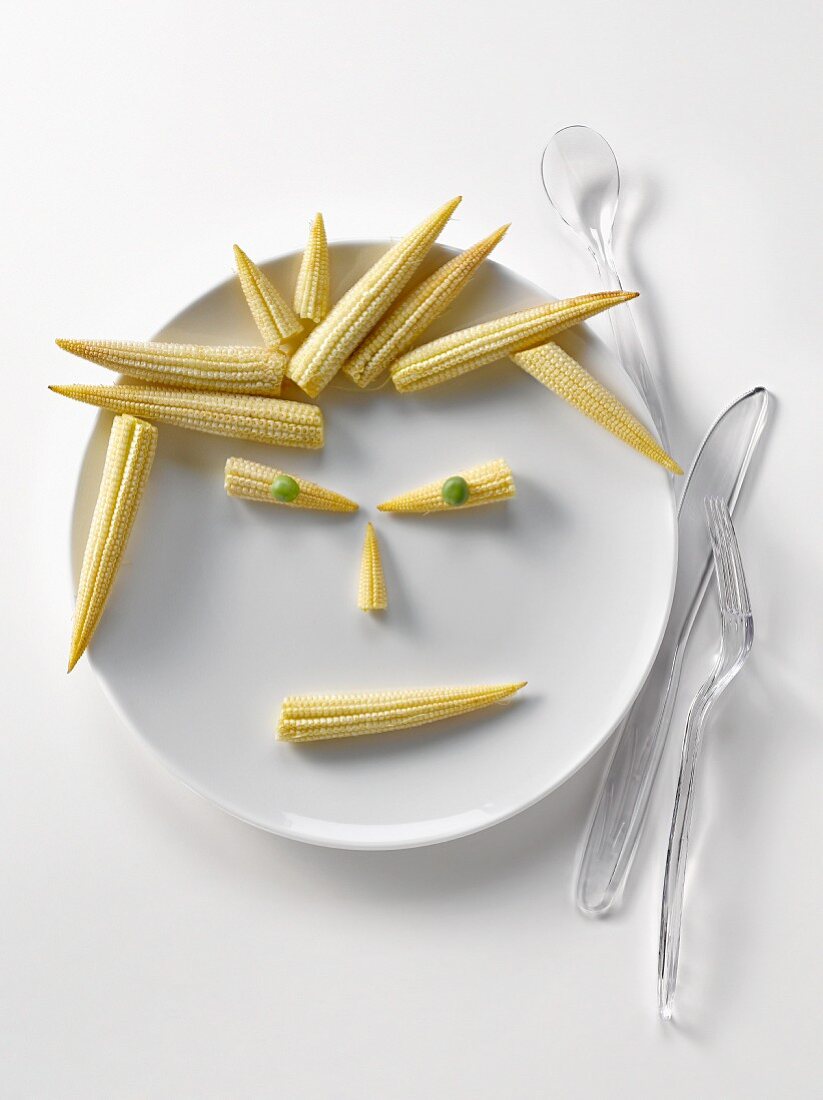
(400, 328)
(191, 366)
(323, 353)
(557, 371)
(471, 348)
(253, 481)
(484, 484)
(311, 293)
(305, 718)
(284, 488)
(371, 593)
(274, 317)
(455, 491)
(126, 469)
(258, 419)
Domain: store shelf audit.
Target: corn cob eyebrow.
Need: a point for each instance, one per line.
(274, 317)
(371, 592)
(325, 350)
(311, 293)
(126, 469)
(399, 329)
(557, 371)
(191, 366)
(470, 348)
(486, 483)
(305, 718)
(241, 416)
(253, 481)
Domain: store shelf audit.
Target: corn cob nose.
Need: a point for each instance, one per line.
(371, 593)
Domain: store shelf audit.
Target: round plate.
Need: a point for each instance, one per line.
(224, 606)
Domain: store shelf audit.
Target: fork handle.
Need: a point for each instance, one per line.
(672, 909)
(621, 805)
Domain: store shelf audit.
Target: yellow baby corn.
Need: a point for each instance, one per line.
(192, 366)
(470, 348)
(259, 419)
(272, 314)
(483, 484)
(126, 469)
(254, 481)
(557, 370)
(311, 293)
(323, 353)
(410, 318)
(319, 717)
(371, 593)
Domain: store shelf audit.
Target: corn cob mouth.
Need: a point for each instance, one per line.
(310, 718)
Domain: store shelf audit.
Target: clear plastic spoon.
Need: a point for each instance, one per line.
(582, 181)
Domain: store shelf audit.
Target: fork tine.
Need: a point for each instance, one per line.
(742, 604)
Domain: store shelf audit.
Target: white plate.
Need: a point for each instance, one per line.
(223, 606)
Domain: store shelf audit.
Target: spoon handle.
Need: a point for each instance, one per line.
(630, 350)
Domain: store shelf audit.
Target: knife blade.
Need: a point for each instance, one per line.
(719, 469)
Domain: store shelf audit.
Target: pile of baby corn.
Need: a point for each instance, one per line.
(235, 391)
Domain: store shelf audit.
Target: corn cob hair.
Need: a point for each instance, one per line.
(557, 371)
(241, 416)
(409, 319)
(126, 469)
(311, 293)
(275, 319)
(325, 350)
(468, 349)
(190, 366)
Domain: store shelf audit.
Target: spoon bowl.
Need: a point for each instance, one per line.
(582, 181)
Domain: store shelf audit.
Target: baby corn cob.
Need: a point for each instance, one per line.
(557, 371)
(259, 419)
(319, 717)
(128, 460)
(311, 293)
(323, 353)
(272, 314)
(410, 318)
(371, 594)
(470, 348)
(486, 484)
(192, 366)
(254, 481)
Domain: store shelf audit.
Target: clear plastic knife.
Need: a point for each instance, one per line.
(718, 470)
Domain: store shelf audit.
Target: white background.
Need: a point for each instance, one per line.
(152, 947)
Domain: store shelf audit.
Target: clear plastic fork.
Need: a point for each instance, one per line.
(736, 635)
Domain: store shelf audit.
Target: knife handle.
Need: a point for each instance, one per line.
(621, 806)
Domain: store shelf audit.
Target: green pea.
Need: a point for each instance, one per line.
(284, 489)
(455, 490)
